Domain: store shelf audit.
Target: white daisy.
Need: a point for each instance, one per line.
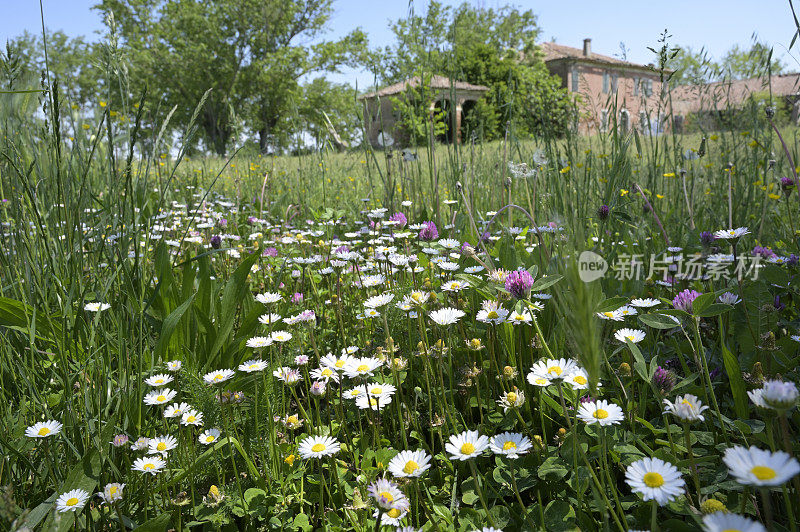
(96, 307)
(281, 336)
(579, 379)
(379, 301)
(253, 365)
(258, 342)
(72, 500)
(268, 297)
(174, 365)
(512, 399)
(209, 436)
(112, 492)
(727, 234)
(511, 444)
(218, 376)
(318, 447)
(161, 444)
(160, 397)
(446, 316)
(43, 429)
(758, 467)
(601, 412)
(655, 479)
(686, 408)
(554, 369)
(159, 380)
(466, 445)
(493, 315)
(727, 522)
(192, 417)
(149, 464)
(409, 463)
(176, 410)
(645, 302)
(634, 335)
(361, 367)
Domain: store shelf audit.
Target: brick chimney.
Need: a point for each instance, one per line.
(587, 48)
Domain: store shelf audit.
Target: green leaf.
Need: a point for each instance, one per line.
(559, 516)
(545, 282)
(737, 382)
(638, 360)
(168, 327)
(156, 524)
(611, 304)
(553, 468)
(715, 309)
(234, 291)
(658, 321)
(702, 302)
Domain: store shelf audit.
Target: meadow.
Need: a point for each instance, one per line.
(380, 339)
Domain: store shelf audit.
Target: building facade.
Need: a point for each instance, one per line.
(381, 118)
(613, 92)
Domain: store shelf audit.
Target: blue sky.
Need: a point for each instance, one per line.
(713, 24)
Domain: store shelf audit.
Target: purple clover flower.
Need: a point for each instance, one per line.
(216, 241)
(400, 218)
(519, 283)
(763, 252)
(428, 231)
(683, 301)
(664, 380)
(707, 238)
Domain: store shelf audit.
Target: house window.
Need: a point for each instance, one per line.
(648, 87)
(636, 86)
(605, 82)
(575, 80)
(614, 82)
(643, 121)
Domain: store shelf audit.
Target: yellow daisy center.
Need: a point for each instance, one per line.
(519, 317)
(44, 431)
(339, 363)
(541, 381)
(159, 381)
(318, 448)
(209, 438)
(509, 445)
(511, 397)
(493, 315)
(579, 379)
(763, 472)
(600, 414)
(376, 390)
(410, 467)
(161, 446)
(386, 495)
(555, 369)
(191, 419)
(631, 337)
(112, 490)
(292, 419)
(394, 513)
(72, 501)
(608, 314)
(732, 530)
(327, 372)
(653, 480)
(217, 377)
(148, 467)
(161, 398)
(362, 367)
(467, 448)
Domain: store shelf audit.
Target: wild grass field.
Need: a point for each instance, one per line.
(424, 340)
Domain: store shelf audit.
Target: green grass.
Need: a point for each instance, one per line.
(82, 222)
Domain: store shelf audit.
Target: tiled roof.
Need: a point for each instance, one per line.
(732, 93)
(437, 82)
(553, 51)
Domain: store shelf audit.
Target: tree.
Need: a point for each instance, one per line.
(492, 47)
(250, 53)
(691, 67)
(738, 63)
